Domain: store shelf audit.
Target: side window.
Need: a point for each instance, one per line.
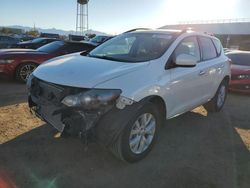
(207, 48)
(45, 41)
(69, 48)
(217, 45)
(188, 46)
(50, 40)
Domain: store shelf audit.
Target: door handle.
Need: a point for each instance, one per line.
(202, 72)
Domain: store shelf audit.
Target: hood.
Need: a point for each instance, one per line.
(240, 69)
(84, 72)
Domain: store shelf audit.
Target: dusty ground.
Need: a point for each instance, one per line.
(195, 150)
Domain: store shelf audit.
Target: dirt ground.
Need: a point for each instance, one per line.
(195, 150)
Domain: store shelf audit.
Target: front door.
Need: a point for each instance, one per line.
(188, 85)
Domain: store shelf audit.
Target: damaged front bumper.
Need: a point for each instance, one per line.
(101, 120)
(45, 101)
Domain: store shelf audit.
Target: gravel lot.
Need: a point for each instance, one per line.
(195, 150)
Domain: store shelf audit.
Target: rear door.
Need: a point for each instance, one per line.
(210, 66)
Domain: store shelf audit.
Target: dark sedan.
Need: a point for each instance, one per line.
(99, 39)
(7, 41)
(19, 63)
(35, 43)
(240, 70)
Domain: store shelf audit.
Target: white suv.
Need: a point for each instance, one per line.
(121, 92)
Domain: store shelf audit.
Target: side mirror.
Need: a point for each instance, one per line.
(185, 60)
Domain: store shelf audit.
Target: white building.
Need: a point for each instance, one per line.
(232, 33)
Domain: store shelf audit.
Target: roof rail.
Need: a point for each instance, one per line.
(136, 29)
(187, 29)
(211, 34)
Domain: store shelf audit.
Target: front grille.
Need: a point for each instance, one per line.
(46, 92)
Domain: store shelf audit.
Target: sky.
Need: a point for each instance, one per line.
(115, 16)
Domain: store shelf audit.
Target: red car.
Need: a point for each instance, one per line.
(19, 63)
(240, 68)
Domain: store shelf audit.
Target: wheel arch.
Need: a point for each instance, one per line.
(112, 123)
(159, 102)
(227, 79)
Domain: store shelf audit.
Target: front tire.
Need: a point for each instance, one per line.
(139, 135)
(24, 70)
(218, 101)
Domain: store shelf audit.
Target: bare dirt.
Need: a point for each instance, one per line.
(195, 150)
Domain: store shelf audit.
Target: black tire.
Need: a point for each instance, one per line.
(121, 147)
(212, 105)
(20, 71)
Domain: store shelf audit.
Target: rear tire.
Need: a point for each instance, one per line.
(138, 138)
(24, 70)
(218, 101)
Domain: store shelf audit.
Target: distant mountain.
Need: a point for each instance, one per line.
(54, 30)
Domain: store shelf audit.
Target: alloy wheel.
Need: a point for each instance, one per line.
(26, 70)
(221, 96)
(142, 133)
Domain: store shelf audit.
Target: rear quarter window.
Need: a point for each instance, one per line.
(207, 48)
(218, 46)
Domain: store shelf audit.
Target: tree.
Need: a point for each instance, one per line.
(5, 30)
(34, 33)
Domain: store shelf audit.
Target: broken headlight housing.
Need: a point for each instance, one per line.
(93, 99)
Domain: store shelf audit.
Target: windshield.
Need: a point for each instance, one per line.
(51, 47)
(133, 47)
(240, 59)
(37, 40)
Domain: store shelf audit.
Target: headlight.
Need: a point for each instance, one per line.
(242, 76)
(93, 99)
(6, 61)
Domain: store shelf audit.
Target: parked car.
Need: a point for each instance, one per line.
(35, 43)
(76, 37)
(50, 35)
(7, 41)
(19, 63)
(99, 39)
(26, 38)
(123, 90)
(240, 80)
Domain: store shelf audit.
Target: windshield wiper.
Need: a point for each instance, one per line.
(105, 57)
(85, 53)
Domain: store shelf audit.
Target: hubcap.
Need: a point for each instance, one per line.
(142, 133)
(221, 96)
(26, 70)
